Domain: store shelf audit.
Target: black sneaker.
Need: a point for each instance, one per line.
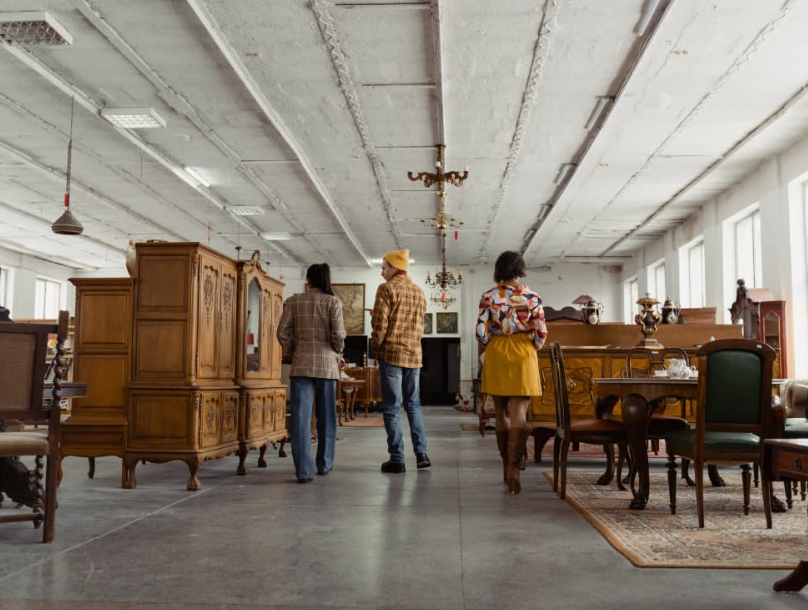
(394, 467)
(301, 481)
(423, 460)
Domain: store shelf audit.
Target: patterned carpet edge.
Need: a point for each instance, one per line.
(641, 560)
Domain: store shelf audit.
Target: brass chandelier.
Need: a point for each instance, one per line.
(441, 221)
(443, 280)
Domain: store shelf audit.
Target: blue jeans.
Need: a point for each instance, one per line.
(303, 391)
(400, 388)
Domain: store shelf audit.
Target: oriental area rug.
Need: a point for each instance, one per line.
(653, 538)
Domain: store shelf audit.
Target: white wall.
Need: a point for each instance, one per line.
(558, 287)
(777, 186)
(25, 270)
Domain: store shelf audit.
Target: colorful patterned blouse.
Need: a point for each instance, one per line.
(506, 310)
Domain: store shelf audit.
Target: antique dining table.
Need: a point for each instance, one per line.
(640, 397)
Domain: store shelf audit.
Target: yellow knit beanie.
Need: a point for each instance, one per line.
(400, 259)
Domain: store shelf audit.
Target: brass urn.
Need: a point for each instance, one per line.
(647, 320)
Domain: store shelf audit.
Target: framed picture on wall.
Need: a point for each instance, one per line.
(427, 323)
(353, 306)
(446, 322)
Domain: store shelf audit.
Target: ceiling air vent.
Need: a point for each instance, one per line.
(35, 27)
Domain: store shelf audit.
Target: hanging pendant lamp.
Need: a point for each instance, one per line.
(67, 224)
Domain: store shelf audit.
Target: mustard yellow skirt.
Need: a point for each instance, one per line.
(511, 366)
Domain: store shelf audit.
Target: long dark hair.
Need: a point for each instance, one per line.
(319, 276)
(509, 266)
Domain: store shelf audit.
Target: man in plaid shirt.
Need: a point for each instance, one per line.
(398, 324)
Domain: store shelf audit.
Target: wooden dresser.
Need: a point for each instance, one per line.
(181, 362)
(371, 391)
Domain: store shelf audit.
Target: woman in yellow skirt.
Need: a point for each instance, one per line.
(510, 327)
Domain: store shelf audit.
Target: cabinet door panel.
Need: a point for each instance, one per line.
(229, 416)
(269, 411)
(211, 419)
(207, 318)
(280, 410)
(227, 325)
(255, 413)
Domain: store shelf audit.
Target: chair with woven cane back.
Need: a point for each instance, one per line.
(23, 350)
(734, 416)
(593, 431)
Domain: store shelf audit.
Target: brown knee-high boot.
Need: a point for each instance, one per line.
(517, 437)
(502, 445)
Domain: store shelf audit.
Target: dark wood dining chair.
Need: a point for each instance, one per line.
(23, 351)
(733, 417)
(607, 432)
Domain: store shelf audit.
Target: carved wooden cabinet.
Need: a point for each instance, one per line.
(180, 333)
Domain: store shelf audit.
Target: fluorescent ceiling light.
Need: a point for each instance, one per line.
(245, 210)
(195, 174)
(133, 118)
(564, 172)
(593, 118)
(276, 236)
(33, 27)
(646, 16)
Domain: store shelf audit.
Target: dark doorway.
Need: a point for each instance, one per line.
(440, 375)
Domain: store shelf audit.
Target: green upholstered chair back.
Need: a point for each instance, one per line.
(733, 387)
(735, 377)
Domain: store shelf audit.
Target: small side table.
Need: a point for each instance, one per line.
(787, 459)
(345, 409)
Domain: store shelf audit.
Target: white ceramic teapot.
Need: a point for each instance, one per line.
(678, 369)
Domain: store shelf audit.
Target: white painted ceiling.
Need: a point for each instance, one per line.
(315, 111)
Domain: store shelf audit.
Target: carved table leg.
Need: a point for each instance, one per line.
(91, 468)
(777, 504)
(540, 438)
(608, 476)
(193, 480)
(281, 452)
(686, 473)
(715, 478)
(130, 464)
(242, 468)
(262, 463)
(794, 581)
(636, 413)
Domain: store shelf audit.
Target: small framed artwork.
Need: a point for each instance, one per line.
(427, 323)
(446, 322)
(353, 306)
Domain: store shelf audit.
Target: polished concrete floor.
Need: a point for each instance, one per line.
(446, 538)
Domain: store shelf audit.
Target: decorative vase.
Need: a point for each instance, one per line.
(647, 320)
(591, 312)
(670, 312)
(131, 260)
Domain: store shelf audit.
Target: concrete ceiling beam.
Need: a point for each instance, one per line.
(243, 74)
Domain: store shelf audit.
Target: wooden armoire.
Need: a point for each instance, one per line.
(181, 361)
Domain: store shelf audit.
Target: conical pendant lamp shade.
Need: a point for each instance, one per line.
(67, 224)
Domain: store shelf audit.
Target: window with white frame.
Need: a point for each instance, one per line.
(3, 287)
(631, 293)
(656, 281)
(48, 298)
(694, 293)
(748, 251)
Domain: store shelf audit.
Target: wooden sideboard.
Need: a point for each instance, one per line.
(600, 351)
(371, 391)
(181, 363)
